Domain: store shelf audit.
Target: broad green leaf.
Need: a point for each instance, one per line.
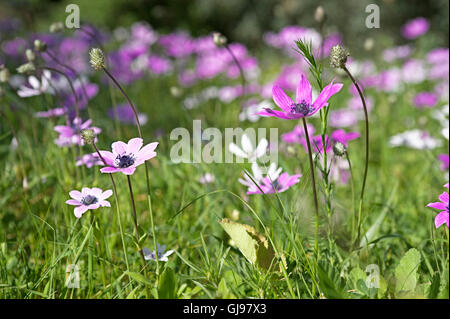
(252, 245)
(406, 271)
(167, 284)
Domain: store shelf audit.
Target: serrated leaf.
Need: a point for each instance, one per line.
(167, 284)
(252, 245)
(406, 271)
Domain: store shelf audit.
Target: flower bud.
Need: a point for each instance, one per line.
(219, 39)
(88, 136)
(97, 58)
(56, 27)
(30, 55)
(4, 74)
(39, 45)
(338, 57)
(339, 149)
(319, 14)
(26, 68)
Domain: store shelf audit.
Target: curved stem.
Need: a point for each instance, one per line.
(366, 167)
(313, 180)
(241, 70)
(155, 246)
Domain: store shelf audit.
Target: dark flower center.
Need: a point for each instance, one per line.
(123, 161)
(275, 185)
(89, 200)
(302, 108)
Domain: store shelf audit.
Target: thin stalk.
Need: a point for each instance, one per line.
(353, 199)
(155, 247)
(133, 206)
(313, 180)
(366, 165)
(241, 70)
(117, 208)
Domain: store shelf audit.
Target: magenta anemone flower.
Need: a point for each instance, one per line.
(303, 106)
(89, 160)
(444, 158)
(70, 135)
(442, 217)
(415, 28)
(126, 157)
(88, 198)
(425, 99)
(281, 184)
(344, 138)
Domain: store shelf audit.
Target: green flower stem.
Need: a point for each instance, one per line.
(313, 180)
(366, 167)
(146, 169)
(117, 209)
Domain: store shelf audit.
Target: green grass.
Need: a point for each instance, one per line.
(40, 236)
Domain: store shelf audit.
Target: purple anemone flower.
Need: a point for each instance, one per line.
(88, 198)
(415, 28)
(425, 99)
(89, 160)
(444, 158)
(442, 206)
(70, 135)
(126, 157)
(303, 107)
(344, 138)
(279, 185)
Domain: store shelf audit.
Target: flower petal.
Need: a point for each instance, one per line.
(147, 152)
(281, 98)
(246, 144)
(236, 150)
(106, 194)
(128, 170)
(109, 169)
(79, 211)
(76, 195)
(119, 147)
(304, 91)
(73, 202)
(441, 218)
(134, 145)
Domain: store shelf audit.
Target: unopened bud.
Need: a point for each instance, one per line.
(26, 68)
(39, 45)
(219, 39)
(319, 14)
(30, 55)
(88, 136)
(56, 27)
(4, 74)
(338, 57)
(339, 149)
(97, 58)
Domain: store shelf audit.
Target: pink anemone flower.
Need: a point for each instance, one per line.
(442, 217)
(88, 198)
(126, 157)
(303, 106)
(281, 184)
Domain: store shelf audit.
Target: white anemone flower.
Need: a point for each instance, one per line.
(416, 139)
(37, 87)
(257, 174)
(248, 151)
(162, 256)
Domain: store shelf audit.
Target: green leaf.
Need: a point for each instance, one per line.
(139, 277)
(167, 284)
(252, 245)
(406, 271)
